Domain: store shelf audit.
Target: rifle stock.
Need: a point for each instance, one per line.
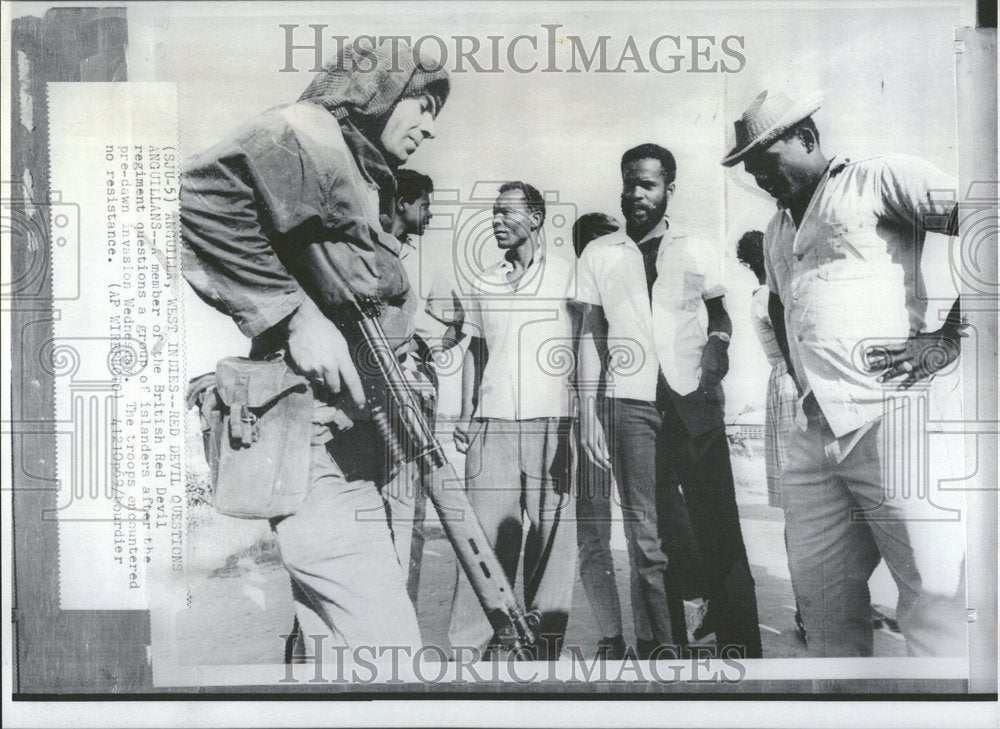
(400, 419)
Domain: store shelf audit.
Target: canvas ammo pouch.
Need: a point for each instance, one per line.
(259, 429)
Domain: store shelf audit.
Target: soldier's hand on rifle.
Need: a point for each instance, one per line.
(462, 434)
(320, 352)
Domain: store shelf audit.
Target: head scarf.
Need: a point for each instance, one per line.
(360, 87)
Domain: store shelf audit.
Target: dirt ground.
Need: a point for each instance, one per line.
(241, 602)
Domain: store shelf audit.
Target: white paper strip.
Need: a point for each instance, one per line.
(116, 354)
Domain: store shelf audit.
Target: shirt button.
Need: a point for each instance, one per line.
(798, 338)
(799, 256)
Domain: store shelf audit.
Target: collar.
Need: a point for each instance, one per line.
(664, 229)
(506, 264)
(658, 231)
(833, 167)
(497, 274)
(405, 247)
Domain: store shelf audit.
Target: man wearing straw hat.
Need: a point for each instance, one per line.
(842, 257)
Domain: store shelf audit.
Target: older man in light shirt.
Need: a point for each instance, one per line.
(515, 422)
(865, 471)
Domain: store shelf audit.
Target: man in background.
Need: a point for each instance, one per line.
(413, 213)
(408, 505)
(435, 302)
(781, 390)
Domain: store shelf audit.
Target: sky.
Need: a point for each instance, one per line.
(886, 76)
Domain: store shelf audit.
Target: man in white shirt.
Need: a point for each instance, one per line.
(865, 471)
(595, 486)
(653, 310)
(515, 421)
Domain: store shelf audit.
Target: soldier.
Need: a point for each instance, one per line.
(299, 192)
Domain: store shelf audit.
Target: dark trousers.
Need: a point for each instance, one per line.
(661, 543)
(702, 466)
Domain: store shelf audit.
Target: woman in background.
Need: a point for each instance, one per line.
(781, 389)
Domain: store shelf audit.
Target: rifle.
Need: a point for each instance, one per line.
(399, 417)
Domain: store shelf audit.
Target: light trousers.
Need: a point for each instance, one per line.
(517, 468)
(883, 492)
(347, 583)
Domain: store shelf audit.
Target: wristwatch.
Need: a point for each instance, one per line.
(721, 335)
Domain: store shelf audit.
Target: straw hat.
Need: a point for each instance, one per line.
(769, 116)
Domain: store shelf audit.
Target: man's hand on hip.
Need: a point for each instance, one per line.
(919, 357)
(320, 352)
